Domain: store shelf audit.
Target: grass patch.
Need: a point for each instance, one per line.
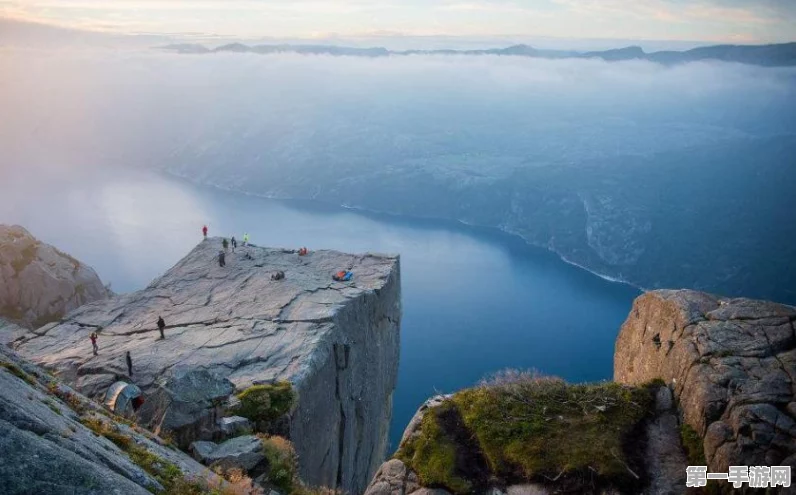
(28, 255)
(166, 473)
(17, 372)
(523, 427)
(282, 463)
(692, 443)
(263, 404)
(436, 454)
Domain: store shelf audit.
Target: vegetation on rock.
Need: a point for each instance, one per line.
(523, 427)
(264, 404)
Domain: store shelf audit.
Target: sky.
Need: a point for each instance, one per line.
(738, 21)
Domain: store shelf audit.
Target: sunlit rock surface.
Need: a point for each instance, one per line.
(731, 363)
(39, 283)
(337, 343)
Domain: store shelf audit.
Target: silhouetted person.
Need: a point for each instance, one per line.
(224, 244)
(222, 259)
(129, 364)
(234, 243)
(161, 326)
(204, 231)
(93, 338)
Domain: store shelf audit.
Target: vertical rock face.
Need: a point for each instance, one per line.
(732, 365)
(39, 283)
(337, 343)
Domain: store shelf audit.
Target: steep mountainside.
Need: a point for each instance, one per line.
(56, 441)
(39, 283)
(333, 346)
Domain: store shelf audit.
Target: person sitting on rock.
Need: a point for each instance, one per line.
(278, 275)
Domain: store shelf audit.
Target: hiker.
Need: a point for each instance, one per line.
(246, 239)
(221, 259)
(224, 244)
(279, 275)
(93, 338)
(129, 364)
(204, 231)
(303, 251)
(234, 243)
(161, 327)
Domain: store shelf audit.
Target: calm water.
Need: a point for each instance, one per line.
(475, 301)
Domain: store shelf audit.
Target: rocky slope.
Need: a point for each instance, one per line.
(731, 364)
(229, 328)
(714, 378)
(39, 283)
(55, 441)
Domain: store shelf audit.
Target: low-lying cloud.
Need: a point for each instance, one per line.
(66, 109)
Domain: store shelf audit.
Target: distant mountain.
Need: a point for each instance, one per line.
(778, 55)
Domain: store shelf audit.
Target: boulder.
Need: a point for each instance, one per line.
(336, 344)
(40, 284)
(731, 364)
(234, 426)
(187, 404)
(244, 452)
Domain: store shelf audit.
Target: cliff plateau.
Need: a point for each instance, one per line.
(234, 327)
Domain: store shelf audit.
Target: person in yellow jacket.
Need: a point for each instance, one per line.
(246, 239)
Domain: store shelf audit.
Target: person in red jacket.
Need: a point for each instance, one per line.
(93, 338)
(204, 231)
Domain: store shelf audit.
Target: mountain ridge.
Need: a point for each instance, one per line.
(768, 55)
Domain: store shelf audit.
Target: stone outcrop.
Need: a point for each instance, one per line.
(243, 452)
(47, 448)
(39, 283)
(336, 343)
(731, 364)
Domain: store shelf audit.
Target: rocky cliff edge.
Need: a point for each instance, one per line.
(232, 327)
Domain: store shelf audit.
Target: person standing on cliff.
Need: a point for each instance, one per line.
(161, 327)
(245, 239)
(129, 364)
(204, 231)
(221, 259)
(224, 244)
(234, 243)
(93, 338)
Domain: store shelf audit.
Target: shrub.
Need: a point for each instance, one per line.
(265, 403)
(282, 462)
(692, 443)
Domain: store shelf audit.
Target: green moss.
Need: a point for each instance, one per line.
(433, 453)
(544, 427)
(521, 427)
(692, 443)
(265, 403)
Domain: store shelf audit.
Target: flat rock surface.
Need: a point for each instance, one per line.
(732, 366)
(39, 283)
(234, 320)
